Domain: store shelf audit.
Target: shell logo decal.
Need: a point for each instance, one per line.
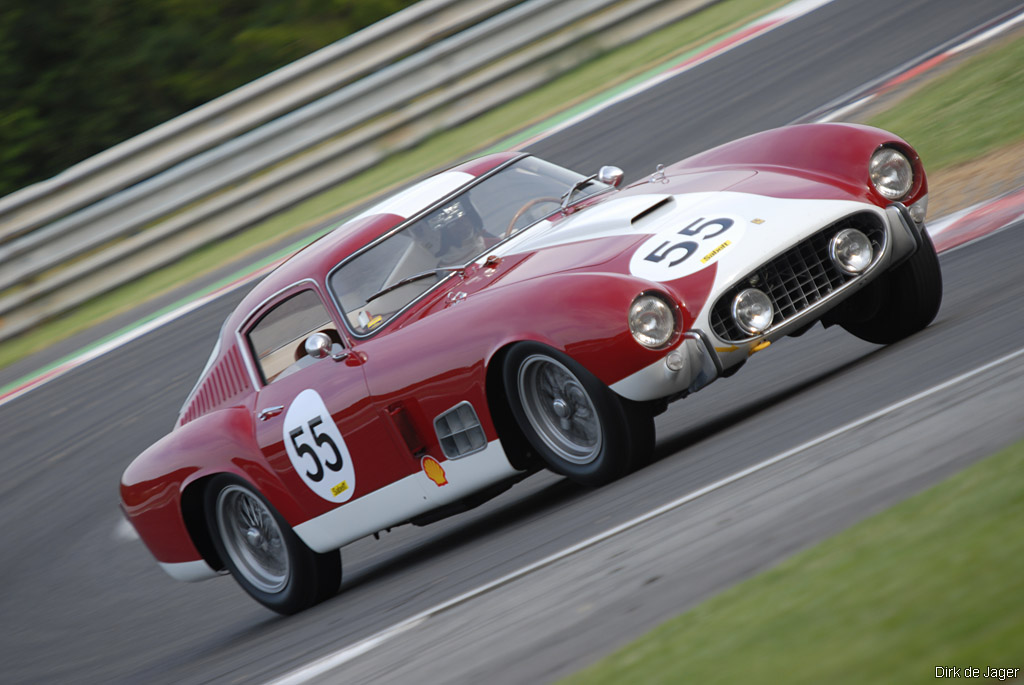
(435, 472)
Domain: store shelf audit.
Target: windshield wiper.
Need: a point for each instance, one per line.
(415, 277)
(577, 186)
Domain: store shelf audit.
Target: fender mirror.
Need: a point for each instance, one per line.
(611, 175)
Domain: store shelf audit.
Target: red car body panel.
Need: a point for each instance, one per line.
(570, 297)
(812, 161)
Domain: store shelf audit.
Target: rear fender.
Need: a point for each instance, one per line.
(162, 487)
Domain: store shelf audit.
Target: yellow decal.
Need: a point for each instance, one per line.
(757, 221)
(706, 258)
(730, 348)
(339, 488)
(435, 472)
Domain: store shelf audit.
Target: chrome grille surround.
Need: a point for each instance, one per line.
(800, 278)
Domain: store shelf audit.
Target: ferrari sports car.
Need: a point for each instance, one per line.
(508, 315)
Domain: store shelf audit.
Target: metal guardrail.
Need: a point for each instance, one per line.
(240, 110)
(298, 131)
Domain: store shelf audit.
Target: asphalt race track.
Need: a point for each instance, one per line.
(84, 602)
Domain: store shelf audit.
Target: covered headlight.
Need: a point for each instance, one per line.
(651, 321)
(891, 173)
(851, 251)
(752, 311)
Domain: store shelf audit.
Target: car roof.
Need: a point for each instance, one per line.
(319, 257)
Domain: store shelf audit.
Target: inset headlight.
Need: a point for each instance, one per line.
(851, 251)
(651, 321)
(752, 311)
(891, 172)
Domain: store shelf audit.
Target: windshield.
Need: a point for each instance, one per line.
(450, 235)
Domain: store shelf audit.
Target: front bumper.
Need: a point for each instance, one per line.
(687, 368)
(805, 293)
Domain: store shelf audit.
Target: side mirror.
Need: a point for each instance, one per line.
(318, 345)
(610, 175)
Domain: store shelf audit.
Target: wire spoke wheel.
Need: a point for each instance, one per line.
(560, 409)
(253, 539)
(262, 552)
(575, 425)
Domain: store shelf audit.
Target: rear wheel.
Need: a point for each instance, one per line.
(577, 425)
(263, 553)
(902, 301)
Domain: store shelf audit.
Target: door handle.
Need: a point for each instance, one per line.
(270, 412)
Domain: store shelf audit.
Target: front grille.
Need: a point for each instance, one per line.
(799, 278)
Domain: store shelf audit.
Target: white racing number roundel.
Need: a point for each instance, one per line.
(316, 448)
(686, 248)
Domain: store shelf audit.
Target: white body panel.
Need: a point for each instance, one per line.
(404, 499)
(763, 228)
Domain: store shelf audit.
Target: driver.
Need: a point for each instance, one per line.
(459, 232)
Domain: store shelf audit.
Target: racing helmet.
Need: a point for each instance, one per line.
(457, 226)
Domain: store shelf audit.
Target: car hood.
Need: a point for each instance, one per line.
(671, 237)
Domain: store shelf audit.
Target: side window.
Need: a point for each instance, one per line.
(278, 339)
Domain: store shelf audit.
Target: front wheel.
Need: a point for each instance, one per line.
(263, 553)
(578, 426)
(902, 302)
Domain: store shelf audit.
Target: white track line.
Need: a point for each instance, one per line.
(332, 661)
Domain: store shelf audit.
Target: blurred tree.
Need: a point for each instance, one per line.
(78, 76)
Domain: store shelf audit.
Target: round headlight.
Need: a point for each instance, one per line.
(651, 321)
(851, 251)
(752, 311)
(891, 172)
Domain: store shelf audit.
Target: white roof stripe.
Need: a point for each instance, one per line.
(419, 196)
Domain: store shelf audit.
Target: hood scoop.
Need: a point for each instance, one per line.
(662, 207)
(614, 217)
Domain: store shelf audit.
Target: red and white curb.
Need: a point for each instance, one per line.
(977, 221)
(925, 64)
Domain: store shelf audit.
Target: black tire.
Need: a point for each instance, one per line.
(263, 553)
(576, 424)
(903, 301)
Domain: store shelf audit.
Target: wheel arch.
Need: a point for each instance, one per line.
(193, 512)
(162, 489)
(797, 150)
(517, 448)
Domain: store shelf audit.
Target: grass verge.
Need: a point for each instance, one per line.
(967, 113)
(937, 580)
(613, 69)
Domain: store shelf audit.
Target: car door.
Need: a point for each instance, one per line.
(314, 420)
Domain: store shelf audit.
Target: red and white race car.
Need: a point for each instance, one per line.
(509, 315)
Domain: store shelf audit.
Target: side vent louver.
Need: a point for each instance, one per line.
(223, 382)
(459, 431)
